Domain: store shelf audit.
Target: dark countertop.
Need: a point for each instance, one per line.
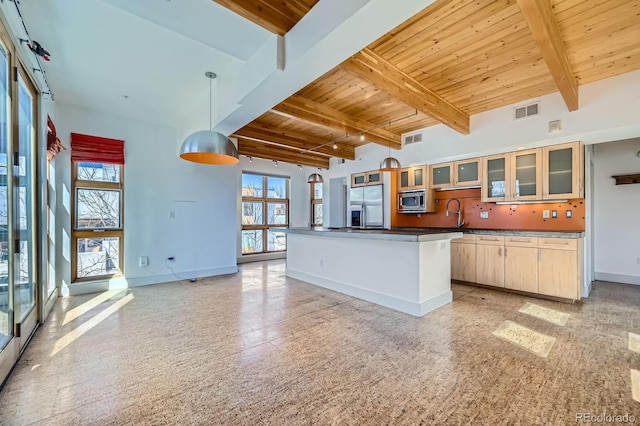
(540, 234)
(410, 235)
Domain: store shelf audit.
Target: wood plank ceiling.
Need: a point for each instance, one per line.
(454, 59)
(275, 16)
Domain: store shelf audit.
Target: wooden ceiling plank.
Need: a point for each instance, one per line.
(271, 152)
(321, 115)
(541, 21)
(293, 141)
(377, 71)
(453, 37)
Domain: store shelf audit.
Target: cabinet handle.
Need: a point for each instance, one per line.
(557, 243)
(488, 239)
(513, 240)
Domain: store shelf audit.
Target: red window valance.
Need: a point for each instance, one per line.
(94, 149)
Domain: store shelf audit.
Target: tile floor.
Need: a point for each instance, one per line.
(259, 348)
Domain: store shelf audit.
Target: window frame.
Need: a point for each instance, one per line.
(314, 202)
(80, 233)
(265, 200)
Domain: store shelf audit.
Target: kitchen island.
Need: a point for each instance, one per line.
(409, 271)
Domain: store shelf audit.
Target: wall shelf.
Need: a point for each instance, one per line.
(627, 179)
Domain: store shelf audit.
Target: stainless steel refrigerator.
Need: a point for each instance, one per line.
(369, 207)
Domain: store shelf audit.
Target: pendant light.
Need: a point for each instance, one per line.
(390, 163)
(315, 178)
(208, 146)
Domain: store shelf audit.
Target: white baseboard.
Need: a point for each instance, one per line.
(125, 282)
(617, 278)
(586, 291)
(408, 307)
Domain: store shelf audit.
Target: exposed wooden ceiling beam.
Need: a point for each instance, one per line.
(382, 74)
(542, 23)
(279, 153)
(294, 141)
(300, 108)
(277, 17)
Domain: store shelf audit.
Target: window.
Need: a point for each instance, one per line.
(265, 210)
(98, 232)
(316, 204)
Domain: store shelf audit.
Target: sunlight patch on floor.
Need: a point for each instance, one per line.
(90, 304)
(546, 314)
(538, 343)
(70, 337)
(635, 385)
(634, 342)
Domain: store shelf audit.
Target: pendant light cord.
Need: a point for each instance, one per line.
(210, 103)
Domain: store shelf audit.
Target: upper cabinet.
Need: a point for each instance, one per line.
(563, 170)
(441, 175)
(412, 178)
(496, 178)
(526, 175)
(467, 172)
(373, 177)
(550, 173)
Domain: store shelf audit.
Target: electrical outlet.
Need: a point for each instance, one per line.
(554, 214)
(484, 215)
(569, 213)
(144, 261)
(546, 214)
(172, 214)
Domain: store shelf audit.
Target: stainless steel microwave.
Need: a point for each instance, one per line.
(414, 201)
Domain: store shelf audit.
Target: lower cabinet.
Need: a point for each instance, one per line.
(521, 263)
(547, 266)
(559, 267)
(463, 258)
(490, 260)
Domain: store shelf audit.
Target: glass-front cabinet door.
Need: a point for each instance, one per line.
(526, 172)
(441, 175)
(562, 171)
(468, 172)
(495, 186)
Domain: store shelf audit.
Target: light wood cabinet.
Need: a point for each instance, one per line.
(463, 258)
(441, 175)
(526, 175)
(373, 177)
(358, 179)
(496, 178)
(413, 178)
(521, 263)
(490, 260)
(513, 176)
(546, 266)
(563, 171)
(467, 172)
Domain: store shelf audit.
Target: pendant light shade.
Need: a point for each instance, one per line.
(208, 146)
(390, 163)
(315, 178)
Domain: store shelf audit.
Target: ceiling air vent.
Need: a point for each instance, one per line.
(526, 111)
(414, 138)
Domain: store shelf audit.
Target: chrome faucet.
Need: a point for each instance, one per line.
(458, 212)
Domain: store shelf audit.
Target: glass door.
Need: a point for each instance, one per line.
(495, 182)
(23, 210)
(563, 171)
(8, 351)
(527, 174)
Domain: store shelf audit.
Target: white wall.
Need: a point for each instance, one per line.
(201, 237)
(299, 196)
(616, 211)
